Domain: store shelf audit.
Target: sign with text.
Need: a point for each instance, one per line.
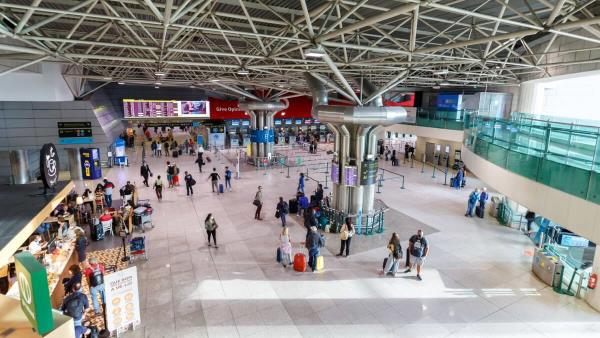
(262, 136)
(122, 299)
(49, 165)
(33, 292)
(335, 173)
(368, 172)
(350, 176)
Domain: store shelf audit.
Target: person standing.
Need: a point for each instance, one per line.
(390, 267)
(301, 183)
(285, 247)
(483, 197)
(95, 275)
(170, 173)
(282, 210)
(81, 244)
(145, 172)
(189, 183)
(153, 148)
(529, 217)
(394, 158)
(211, 229)
(302, 204)
(158, 149)
(214, 179)
(108, 191)
(314, 242)
(166, 146)
(76, 275)
(200, 162)
(419, 249)
(258, 203)
(158, 187)
(228, 175)
(75, 304)
(346, 234)
(473, 197)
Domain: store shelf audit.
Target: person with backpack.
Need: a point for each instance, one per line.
(189, 183)
(303, 204)
(75, 304)
(95, 275)
(214, 180)
(228, 175)
(211, 227)
(419, 249)
(170, 173)
(200, 162)
(145, 172)
(314, 242)
(392, 262)
(108, 191)
(473, 198)
(158, 186)
(346, 233)
(76, 275)
(282, 210)
(483, 197)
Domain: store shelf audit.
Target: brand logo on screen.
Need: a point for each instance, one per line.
(49, 165)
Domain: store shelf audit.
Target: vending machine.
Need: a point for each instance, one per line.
(90, 163)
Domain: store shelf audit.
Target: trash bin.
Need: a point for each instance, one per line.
(495, 204)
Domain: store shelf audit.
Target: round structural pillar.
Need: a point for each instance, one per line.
(19, 166)
(74, 164)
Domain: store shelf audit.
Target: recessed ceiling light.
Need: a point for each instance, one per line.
(156, 87)
(435, 87)
(243, 71)
(497, 67)
(214, 80)
(441, 72)
(444, 83)
(121, 82)
(107, 78)
(159, 73)
(158, 83)
(282, 114)
(192, 86)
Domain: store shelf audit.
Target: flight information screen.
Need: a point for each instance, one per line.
(164, 108)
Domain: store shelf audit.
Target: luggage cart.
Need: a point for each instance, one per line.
(142, 215)
(137, 248)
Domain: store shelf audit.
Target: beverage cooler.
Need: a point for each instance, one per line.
(90, 163)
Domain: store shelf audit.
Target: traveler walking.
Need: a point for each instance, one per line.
(419, 249)
(310, 219)
(211, 229)
(214, 179)
(394, 158)
(282, 210)
(314, 242)
(285, 247)
(158, 149)
(200, 162)
(95, 274)
(228, 175)
(302, 204)
(145, 172)
(258, 203)
(473, 198)
(153, 148)
(108, 191)
(529, 217)
(301, 183)
(346, 234)
(158, 187)
(189, 183)
(166, 146)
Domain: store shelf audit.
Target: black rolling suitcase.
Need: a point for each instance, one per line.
(293, 206)
(479, 211)
(97, 231)
(175, 153)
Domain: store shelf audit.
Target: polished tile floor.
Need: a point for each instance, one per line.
(476, 282)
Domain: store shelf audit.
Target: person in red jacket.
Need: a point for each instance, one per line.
(95, 275)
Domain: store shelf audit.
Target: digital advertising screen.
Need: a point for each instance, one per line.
(288, 121)
(165, 108)
(245, 122)
(298, 121)
(277, 122)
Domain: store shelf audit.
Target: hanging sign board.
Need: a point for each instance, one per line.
(122, 299)
(49, 165)
(368, 172)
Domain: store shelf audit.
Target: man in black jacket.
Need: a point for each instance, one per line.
(145, 172)
(189, 183)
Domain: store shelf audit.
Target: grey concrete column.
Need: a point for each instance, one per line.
(19, 166)
(74, 163)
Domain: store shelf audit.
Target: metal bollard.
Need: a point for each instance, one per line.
(433, 175)
(446, 176)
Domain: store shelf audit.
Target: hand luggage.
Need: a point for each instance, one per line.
(208, 159)
(293, 205)
(278, 255)
(221, 188)
(175, 153)
(391, 265)
(479, 211)
(300, 262)
(320, 263)
(180, 152)
(97, 231)
(384, 264)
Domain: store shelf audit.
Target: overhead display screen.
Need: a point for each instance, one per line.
(165, 108)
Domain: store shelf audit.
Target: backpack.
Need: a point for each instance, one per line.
(96, 278)
(286, 208)
(74, 307)
(170, 170)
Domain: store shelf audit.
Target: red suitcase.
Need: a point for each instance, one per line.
(300, 262)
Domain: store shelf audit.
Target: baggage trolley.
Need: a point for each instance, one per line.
(142, 215)
(137, 248)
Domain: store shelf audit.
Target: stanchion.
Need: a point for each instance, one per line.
(402, 187)
(446, 176)
(433, 175)
(422, 167)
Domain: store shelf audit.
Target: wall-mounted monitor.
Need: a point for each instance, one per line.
(277, 122)
(165, 108)
(298, 121)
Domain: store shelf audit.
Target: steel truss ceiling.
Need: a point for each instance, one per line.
(263, 43)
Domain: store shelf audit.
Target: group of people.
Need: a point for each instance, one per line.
(418, 250)
(476, 196)
(76, 303)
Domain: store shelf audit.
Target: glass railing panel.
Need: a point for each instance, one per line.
(497, 155)
(563, 177)
(594, 188)
(524, 164)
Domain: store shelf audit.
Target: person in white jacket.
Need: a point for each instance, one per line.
(285, 247)
(346, 234)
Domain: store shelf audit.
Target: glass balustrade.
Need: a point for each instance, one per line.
(433, 118)
(561, 155)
